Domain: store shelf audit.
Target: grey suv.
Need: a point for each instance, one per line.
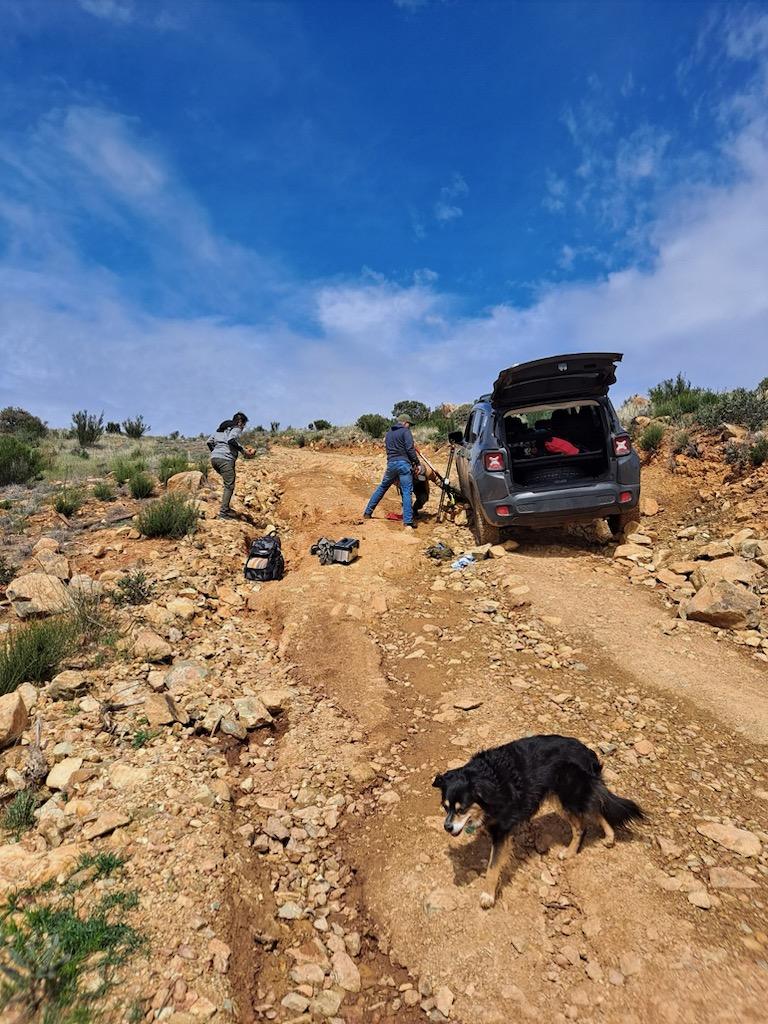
(546, 448)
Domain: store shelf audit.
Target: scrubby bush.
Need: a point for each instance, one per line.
(103, 491)
(274, 426)
(135, 588)
(373, 424)
(140, 485)
(33, 653)
(19, 462)
(112, 427)
(740, 406)
(300, 440)
(680, 442)
(68, 501)
(7, 571)
(121, 469)
(758, 453)
(736, 454)
(320, 425)
(170, 465)
(174, 435)
(651, 438)
(417, 412)
(676, 396)
(87, 427)
(174, 515)
(23, 424)
(203, 464)
(135, 427)
(19, 815)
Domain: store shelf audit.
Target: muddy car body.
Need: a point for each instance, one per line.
(545, 448)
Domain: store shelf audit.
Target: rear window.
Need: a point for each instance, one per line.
(528, 431)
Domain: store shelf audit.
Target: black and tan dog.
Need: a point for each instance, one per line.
(502, 788)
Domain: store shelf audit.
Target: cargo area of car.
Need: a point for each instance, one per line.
(533, 435)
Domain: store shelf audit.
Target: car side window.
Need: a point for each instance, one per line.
(474, 425)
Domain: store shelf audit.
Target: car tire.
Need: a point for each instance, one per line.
(618, 524)
(483, 531)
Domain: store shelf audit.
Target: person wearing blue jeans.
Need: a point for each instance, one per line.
(401, 459)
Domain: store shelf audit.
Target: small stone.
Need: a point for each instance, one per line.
(14, 718)
(700, 898)
(730, 878)
(327, 1003)
(630, 964)
(251, 712)
(644, 748)
(738, 840)
(295, 1002)
(106, 823)
(440, 901)
(148, 646)
(444, 1000)
(66, 685)
(60, 776)
(345, 972)
(290, 911)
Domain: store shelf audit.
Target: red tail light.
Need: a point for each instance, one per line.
(494, 461)
(622, 444)
(625, 496)
(503, 510)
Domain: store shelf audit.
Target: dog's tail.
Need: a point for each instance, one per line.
(617, 810)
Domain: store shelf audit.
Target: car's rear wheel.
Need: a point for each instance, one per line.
(618, 524)
(483, 531)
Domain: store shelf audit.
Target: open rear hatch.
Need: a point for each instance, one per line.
(582, 375)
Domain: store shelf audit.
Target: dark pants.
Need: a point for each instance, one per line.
(226, 470)
(420, 494)
(398, 469)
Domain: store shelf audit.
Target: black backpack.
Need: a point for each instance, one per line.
(265, 560)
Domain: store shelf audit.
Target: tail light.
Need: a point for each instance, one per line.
(625, 496)
(493, 461)
(503, 510)
(622, 444)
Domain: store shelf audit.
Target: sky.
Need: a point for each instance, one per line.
(316, 209)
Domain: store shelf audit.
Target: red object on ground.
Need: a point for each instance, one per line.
(395, 515)
(559, 446)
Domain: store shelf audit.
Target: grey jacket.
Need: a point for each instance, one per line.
(225, 443)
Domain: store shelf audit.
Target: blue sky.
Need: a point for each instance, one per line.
(314, 209)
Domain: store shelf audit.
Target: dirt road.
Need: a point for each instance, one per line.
(420, 667)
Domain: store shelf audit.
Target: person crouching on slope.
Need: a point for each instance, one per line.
(225, 447)
(401, 460)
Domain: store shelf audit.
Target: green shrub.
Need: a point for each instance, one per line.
(136, 427)
(7, 572)
(135, 588)
(33, 653)
(651, 438)
(68, 501)
(203, 464)
(172, 464)
(112, 427)
(274, 426)
(6, 505)
(103, 491)
(173, 515)
(121, 468)
(758, 453)
(676, 396)
(320, 425)
(301, 440)
(140, 485)
(19, 815)
(87, 427)
(22, 423)
(742, 407)
(680, 442)
(19, 462)
(373, 424)
(417, 412)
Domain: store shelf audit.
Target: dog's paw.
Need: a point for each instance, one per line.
(609, 841)
(566, 854)
(487, 900)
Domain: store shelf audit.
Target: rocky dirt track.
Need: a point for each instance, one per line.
(289, 851)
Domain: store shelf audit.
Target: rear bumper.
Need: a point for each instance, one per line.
(562, 505)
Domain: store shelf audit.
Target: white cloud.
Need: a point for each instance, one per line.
(120, 11)
(446, 209)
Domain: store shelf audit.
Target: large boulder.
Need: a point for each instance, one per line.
(733, 569)
(37, 593)
(188, 482)
(53, 563)
(725, 605)
(14, 718)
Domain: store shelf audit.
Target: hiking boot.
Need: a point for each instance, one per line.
(226, 514)
(367, 515)
(410, 526)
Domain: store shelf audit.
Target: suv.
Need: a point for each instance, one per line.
(546, 448)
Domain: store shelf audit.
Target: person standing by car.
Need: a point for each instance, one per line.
(225, 447)
(402, 458)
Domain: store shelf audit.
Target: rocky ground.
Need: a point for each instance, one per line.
(261, 756)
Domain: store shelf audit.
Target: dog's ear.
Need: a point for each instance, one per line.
(438, 783)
